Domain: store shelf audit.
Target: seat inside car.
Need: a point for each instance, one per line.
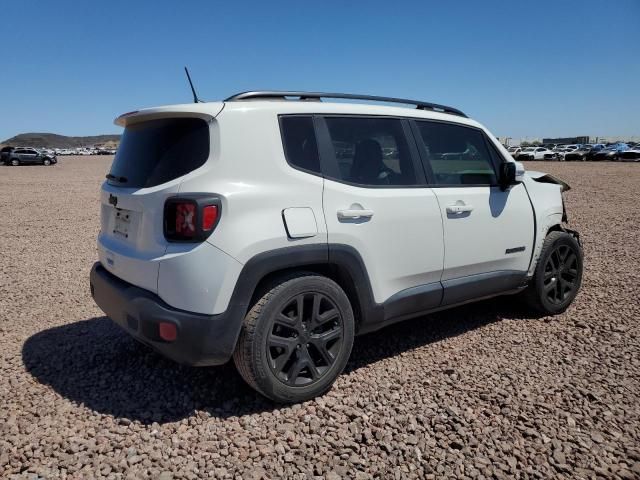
(368, 166)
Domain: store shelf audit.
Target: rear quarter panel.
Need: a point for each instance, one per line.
(249, 172)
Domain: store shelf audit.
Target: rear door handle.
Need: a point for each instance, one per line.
(354, 214)
(459, 208)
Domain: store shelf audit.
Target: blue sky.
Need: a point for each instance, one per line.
(543, 68)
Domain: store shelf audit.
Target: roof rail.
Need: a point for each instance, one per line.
(262, 95)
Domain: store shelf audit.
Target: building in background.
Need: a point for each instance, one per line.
(567, 140)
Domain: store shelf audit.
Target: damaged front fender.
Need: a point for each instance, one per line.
(548, 178)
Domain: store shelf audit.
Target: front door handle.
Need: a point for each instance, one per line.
(457, 208)
(353, 214)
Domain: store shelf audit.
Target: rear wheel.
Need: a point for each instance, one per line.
(296, 339)
(558, 275)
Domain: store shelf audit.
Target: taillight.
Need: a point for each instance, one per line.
(191, 218)
(185, 219)
(209, 217)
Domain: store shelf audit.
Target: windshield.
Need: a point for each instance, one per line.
(157, 151)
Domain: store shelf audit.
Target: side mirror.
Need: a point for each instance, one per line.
(507, 175)
(520, 171)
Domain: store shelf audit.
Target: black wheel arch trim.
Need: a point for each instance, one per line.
(339, 261)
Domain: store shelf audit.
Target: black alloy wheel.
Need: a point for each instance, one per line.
(557, 276)
(305, 339)
(560, 274)
(296, 338)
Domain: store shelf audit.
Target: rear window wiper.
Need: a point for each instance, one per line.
(116, 178)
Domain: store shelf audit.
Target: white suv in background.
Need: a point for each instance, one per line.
(537, 153)
(273, 227)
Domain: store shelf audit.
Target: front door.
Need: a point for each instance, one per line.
(488, 233)
(376, 201)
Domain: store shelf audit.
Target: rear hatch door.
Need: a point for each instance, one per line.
(155, 154)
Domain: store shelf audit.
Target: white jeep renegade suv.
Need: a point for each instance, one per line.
(273, 227)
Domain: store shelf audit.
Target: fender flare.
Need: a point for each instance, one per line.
(340, 262)
(551, 221)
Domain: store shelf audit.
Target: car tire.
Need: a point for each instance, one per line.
(15, 162)
(296, 338)
(557, 276)
(46, 162)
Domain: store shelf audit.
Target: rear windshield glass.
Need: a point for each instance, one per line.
(154, 152)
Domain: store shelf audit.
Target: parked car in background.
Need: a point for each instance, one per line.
(525, 154)
(514, 151)
(612, 152)
(4, 154)
(105, 151)
(564, 149)
(630, 155)
(30, 156)
(537, 153)
(578, 155)
(595, 148)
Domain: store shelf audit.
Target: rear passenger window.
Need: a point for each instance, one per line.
(458, 155)
(300, 147)
(371, 151)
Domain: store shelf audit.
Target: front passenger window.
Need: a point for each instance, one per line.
(457, 154)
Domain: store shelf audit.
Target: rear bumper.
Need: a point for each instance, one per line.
(201, 339)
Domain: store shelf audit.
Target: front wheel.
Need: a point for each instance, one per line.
(558, 275)
(46, 162)
(296, 339)
(15, 162)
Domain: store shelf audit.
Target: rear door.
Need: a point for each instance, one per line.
(17, 153)
(375, 200)
(151, 162)
(488, 233)
(27, 156)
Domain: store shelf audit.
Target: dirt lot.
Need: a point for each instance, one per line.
(480, 391)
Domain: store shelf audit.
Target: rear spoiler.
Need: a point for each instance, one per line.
(206, 111)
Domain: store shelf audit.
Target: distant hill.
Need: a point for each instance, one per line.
(51, 140)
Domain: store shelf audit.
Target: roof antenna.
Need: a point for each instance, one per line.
(193, 90)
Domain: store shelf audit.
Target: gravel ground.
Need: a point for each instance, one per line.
(483, 391)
